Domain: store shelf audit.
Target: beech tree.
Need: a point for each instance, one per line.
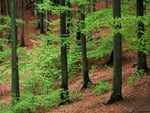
(69, 17)
(47, 20)
(0, 23)
(22, 24)
(94, 8)
(41, 20)
(117, 52)
(7, 7)
(8, 14)
(15, 74)
(106, 3)
(142, 63)
(64, 82)
(78, 34)
(86, 79)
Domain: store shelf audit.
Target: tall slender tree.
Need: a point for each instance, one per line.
(41, 21)
(117, 50)
(86, 79)
(47, 20)
(0, 23)
(69, 23)
(8, 14)
(64, 82)
(69, 17)
(22, 24)
(7, 7)
(36, 12)
(89, 11)
(142, 63)
(106, 3)
(94, 8)
(78, 34)
(15, 74)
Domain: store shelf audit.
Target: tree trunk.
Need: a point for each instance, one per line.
(78, 41)
(0, 23)
(41, 21)
(89, 11)
(69, 24)
(110, 62)
(8, 14)
(47, 25)
(7, 8)
(86, 79)
(69, 17)
(47, 19)
(106, 3)
(38, 14)
(117, 73)
(22, 25)
(142, 63)
(15, 75)
(64, 83)
(94, 8)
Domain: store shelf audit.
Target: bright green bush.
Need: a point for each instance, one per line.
(137, 75)
(101, 87)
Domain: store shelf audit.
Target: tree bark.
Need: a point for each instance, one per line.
(117, 50)
(15, 74)
(7, 7)
(86, 79)
(47, 19)
(8, 14)
(64, 82)
(110, 62)
(22, 25)
(78, 34)
(142, 63)
(106, 3)
(41, 21)
(89, 11)
(0, 23)
(94, 8)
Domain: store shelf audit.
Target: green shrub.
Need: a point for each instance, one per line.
(101, 87)
(137, 75)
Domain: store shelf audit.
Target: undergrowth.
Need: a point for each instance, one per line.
(101, 87)
(135, 76)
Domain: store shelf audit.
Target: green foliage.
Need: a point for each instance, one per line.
(137, 75)
(37, 103)
(5, 107)
(5, 66)
(75, 96)
(101, 87)
(108, 67)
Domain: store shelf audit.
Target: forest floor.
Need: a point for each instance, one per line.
(136, 98)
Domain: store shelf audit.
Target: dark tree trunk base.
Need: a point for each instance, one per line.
(114, 98)
(42, 32)
(38, 27)
(78, 38)
(86, 85)
(64, 103)
(110, 62)
(64, 97)
(22, 45)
